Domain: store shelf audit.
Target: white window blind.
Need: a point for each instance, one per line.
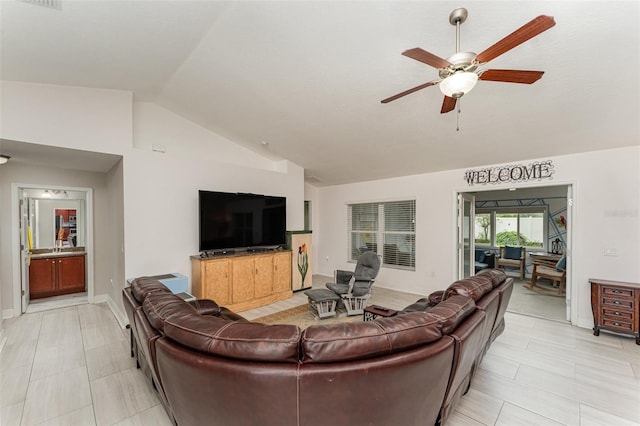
(391, 223)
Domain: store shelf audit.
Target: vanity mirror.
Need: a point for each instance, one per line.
(56, 222)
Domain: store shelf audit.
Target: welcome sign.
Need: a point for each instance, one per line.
(511, 173)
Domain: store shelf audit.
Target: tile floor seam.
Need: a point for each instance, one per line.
(24, 401)
(84, 351)
(499, 412)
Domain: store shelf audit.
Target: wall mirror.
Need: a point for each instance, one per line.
(56, 215)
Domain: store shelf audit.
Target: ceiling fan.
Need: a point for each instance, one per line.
(459, 73)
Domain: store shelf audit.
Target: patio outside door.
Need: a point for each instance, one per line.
(466, 235)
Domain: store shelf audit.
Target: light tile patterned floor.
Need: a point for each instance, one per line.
(72, 366)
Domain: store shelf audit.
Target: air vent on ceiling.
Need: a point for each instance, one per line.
(51, 4)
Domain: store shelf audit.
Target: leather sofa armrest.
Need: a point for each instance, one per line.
(206, 307)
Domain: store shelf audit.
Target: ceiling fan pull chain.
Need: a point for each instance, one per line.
(458, 116)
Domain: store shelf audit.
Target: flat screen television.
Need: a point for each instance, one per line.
(230, 221)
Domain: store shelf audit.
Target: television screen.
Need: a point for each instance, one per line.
(233, 221)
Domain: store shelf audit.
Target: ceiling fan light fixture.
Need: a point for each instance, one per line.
(458, 84)
(4, 158)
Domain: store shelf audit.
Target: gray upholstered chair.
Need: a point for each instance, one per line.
(355, 295)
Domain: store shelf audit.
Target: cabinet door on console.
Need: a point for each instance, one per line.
(42, 277)
(281, 272)
(242, 287)
(263, 277)
(71, 274)
(217, 281)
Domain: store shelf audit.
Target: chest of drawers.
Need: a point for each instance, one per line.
(616, 307)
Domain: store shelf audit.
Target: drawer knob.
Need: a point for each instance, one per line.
(616, 323)
(616, 302)
(617, 291)
(617, 312)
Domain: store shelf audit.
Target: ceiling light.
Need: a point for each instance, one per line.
(458, 84)
(4, 158)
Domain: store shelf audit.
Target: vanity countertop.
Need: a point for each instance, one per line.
(57, 254)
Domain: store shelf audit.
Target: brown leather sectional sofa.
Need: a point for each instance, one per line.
(210, 366)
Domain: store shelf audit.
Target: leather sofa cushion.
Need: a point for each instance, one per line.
(497, 276)
(242, 340)
(474, 287)
(351, 341)
(141, 287)
(453, 311)
(158, 306)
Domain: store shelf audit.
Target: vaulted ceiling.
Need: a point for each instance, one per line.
(307, 77)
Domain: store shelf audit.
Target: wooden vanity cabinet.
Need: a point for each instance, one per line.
(55, 276)
(242, 282)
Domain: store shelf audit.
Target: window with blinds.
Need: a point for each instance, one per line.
(388, 229)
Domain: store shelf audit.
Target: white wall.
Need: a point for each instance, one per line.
(606, 215)
(157, 127)
(72, 117)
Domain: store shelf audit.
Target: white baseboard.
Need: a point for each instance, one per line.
(121, 317)
(7, 313)
(3, 339)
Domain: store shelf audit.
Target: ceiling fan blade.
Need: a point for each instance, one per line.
(519, 36)
(426, 57)
(511, 76)
(408, 92)
(448, 104)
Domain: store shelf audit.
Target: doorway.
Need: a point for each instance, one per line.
(54, 241)
(537, 218)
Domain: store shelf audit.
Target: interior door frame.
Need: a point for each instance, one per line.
(463, 198)
(24, 251)
(16, 189)
(572, 239)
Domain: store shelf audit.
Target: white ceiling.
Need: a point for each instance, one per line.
(308, 76)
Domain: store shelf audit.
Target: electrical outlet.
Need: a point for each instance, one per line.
(609, 251)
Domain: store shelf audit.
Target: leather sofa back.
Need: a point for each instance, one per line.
(141, 287)
(469, 343)
(352, 341)
(402, 388)
(206, 388)
(497, 276)
(474, 287)
(241, 340)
